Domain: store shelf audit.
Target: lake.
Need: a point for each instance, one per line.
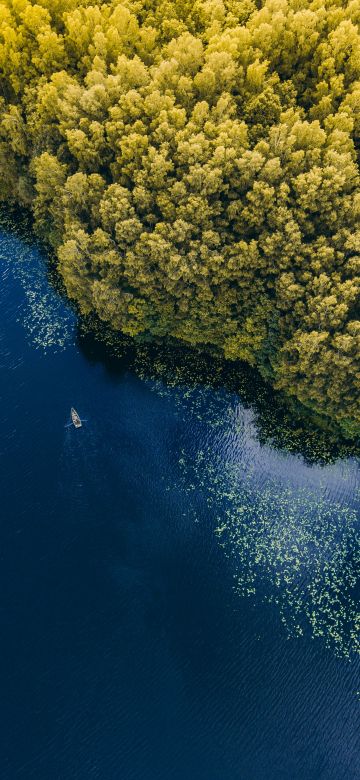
(179, 577)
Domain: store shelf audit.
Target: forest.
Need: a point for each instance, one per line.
(195, 168)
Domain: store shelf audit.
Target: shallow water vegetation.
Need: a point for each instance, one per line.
(292, 547)
(195, 167)
(48, 323)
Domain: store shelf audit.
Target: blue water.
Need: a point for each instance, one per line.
(179, 596)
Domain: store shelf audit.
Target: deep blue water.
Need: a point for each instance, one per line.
(178, 600)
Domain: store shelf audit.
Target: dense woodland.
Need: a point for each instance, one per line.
(195, 166)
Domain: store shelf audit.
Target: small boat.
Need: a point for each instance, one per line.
(75, 419)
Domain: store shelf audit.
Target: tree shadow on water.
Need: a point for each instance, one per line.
(280, 422)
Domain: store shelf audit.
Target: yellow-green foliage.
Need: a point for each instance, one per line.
(195, 165)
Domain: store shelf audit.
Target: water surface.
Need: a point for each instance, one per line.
(179, 596)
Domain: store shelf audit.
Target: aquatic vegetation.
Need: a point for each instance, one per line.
(195, 168)
(49, 324)
(295, 547)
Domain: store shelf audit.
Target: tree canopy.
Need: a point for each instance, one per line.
(195, 166)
